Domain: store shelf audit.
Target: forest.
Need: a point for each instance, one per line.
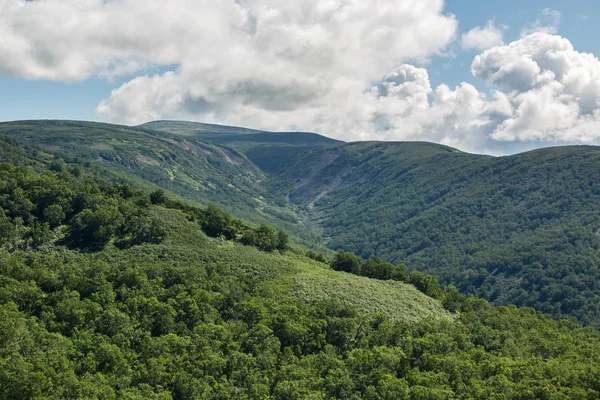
(113, 288)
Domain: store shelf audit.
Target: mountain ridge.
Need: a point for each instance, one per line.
(268, 150)
(112, 288)
(514, 229)
(197, 170)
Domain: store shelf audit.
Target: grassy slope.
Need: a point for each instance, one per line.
(127, 323)
(519, 229)
(270, 151)
(300, 277)
(199, 171)
(290, 275)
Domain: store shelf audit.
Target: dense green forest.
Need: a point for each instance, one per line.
(518, 230)
(203, 305)
(64, 205)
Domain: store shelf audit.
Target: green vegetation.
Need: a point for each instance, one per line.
(146, 322)
(376, 268)
(217, 223)
(516, 230)
(55, 206)
(38, 209)
(195, 170)
(214, 308)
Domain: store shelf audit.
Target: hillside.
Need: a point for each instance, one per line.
(107, 291)
(199, 171)
(514, 230)
(270, 151)
(518, 230)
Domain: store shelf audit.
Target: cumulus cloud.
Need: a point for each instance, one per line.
(73, 39)
(264, 63)
(481, 39)
(405, 107)
(553, 89)
(337, 67)
(544, 91)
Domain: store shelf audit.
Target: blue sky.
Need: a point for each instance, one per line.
(267, 65)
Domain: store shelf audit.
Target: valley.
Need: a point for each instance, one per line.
(120, 277)
(518, 229)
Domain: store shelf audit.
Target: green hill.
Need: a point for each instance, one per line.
(270, 151)
(108, 291)
(514, 230)
(196, 170)
(189, 128)
(518, 230)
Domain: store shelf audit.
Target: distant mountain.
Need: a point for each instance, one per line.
(523, 229)
(268, 150)
(196, 128)
(197, 170)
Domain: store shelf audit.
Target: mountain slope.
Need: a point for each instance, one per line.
(32, 185)
(199, 171)
(521, 229)
(190, 316)
(268, 150)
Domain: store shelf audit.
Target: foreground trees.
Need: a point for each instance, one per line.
(34, 207)
(140, 324)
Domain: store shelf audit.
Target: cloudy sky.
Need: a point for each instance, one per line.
(487, 77)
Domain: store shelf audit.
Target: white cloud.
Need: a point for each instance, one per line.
(546, 92)
(70, 40)
(481, 39)
(332, 66)
(554, 90)
(262, 63)
(547, 22)
(404, 107)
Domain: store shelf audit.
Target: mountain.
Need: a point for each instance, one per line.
(520, 229)
(270, 151)
(110, 288)
(515, 230)
(196, 170)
